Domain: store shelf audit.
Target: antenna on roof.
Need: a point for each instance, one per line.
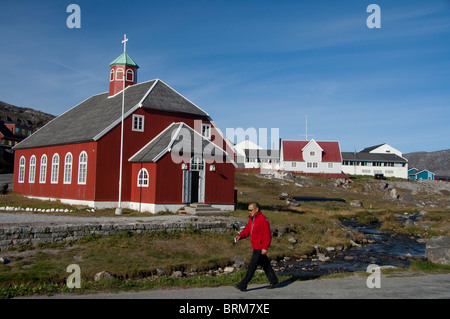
(306, 128)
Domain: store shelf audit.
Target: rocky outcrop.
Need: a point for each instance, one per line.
(438, 250)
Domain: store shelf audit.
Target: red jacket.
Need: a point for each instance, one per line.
(258, 229)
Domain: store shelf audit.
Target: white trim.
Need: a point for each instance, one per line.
(227, 141)
(30, 180)
(208, 131)
(71, 168)
(52, 180)
(43, 180)
(185, 98)
(141, 122)
(312, 140)
(148, 92)
(79, 170)
(141, 207)
(162, 132)
(132, 76)
(143, 182)
(21, 179)
(116, 122)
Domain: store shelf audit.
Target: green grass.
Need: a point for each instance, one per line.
(133, 259)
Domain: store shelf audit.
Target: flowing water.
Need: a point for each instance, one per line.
(388, 250)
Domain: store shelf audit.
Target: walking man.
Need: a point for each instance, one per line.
(258, 229)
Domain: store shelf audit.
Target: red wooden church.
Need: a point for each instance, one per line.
(173, 153)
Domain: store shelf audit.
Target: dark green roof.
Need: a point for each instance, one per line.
(124, 59)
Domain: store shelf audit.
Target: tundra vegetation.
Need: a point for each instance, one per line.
(191, 258)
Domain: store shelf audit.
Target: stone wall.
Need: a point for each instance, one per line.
(14, 236)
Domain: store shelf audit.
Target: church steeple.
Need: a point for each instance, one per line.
(122, 67)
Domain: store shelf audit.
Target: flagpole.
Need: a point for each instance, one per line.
(119, 210)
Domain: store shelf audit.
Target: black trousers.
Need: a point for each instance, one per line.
(258, 259)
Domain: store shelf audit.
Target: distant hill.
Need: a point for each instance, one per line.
(11, 113)
(437, 162)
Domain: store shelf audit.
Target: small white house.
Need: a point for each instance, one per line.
(319, 157)
(379, 159)
(251, 155)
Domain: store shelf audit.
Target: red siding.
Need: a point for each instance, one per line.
(59, 190)
(165, 185)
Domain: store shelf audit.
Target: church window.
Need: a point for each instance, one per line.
(142, 178)
(22, 169)
(138, 123)
(82, 168)
(197, 163)
(68, 169)
(119, 74)
(32, 169)
(111, 78)
(55, 169)
(206, 131)
(130, 75)
(43, 171)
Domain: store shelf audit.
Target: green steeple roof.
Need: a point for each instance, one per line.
(124, 59)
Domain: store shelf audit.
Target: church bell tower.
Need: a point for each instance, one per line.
(122, 69)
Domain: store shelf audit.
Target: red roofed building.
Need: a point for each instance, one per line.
(311, 157)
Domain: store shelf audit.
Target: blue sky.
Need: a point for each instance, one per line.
(260, 64)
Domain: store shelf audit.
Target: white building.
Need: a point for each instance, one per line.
(312, 156)
(251, 155)
(379, 159)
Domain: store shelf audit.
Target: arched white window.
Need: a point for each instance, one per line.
(82, 168)
(43, 171)
(32, 172)
(119, 74)
(130, 75)
(111, 76)
(55, 169)
(142, 178)
(68, 169)
(197, 163)
(22, 169)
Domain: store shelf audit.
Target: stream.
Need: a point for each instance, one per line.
(387, 250)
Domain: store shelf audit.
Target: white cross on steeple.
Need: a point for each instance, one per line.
(124, 43)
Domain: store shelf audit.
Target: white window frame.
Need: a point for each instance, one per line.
(197, 163)
(43, 170)
(82, 168)
(132, 75)
(138, 123)
(330, 165)
(55, 169)
(68, 168)
(21, 177)
(142, 178)
(206, 131)
(32, 172)
(111, 76)
(120, 70)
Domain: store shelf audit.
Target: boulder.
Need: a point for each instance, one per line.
(356, 203)
(437, 250)
(102, 275)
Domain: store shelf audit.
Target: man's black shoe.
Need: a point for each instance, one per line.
(272, 286)
(239, 287)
